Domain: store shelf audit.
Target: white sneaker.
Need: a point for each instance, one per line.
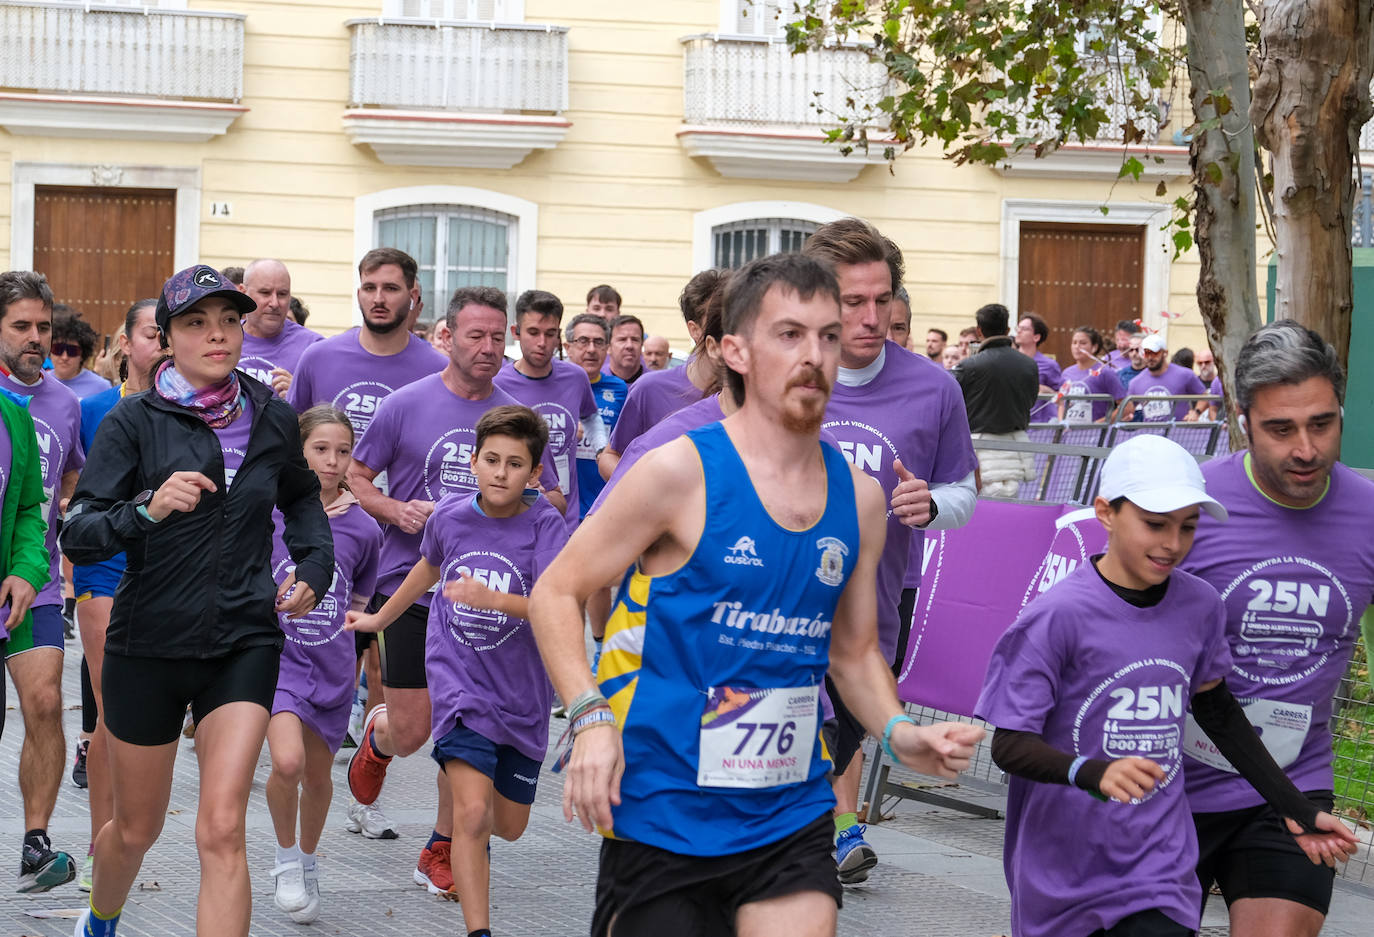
(81, 922)
(311, 911)
(290, 894)
(369, 820)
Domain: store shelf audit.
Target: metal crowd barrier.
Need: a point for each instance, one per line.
(1068, 459)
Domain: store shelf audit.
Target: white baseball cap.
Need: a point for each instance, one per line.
(1153, 342)
(1156, 475)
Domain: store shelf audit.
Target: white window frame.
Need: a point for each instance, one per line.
(506, 11)
(523, 243)
(704, 222)
(730, 13)
(27, 176)
(1158, 249)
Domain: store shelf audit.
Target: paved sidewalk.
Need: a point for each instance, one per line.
(940, 874)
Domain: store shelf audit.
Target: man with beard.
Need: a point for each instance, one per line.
(424, 437)
(727, 622)
(355, 371)
(1295, 568)
(900, 418)
(272, 341)
(34, 650)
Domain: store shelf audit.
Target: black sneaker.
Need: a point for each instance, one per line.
(41, 869)
(79, 768)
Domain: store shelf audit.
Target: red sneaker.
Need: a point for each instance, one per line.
(434, 872)
(366, 769)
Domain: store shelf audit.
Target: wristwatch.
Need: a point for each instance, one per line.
(141, 502)
(934, 513)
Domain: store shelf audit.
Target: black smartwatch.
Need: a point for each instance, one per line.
(934, 513)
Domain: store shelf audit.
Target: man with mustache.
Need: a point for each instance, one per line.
(355, 372)
(423, 437)
(1295, 568)
(726, 624)
(900, 418)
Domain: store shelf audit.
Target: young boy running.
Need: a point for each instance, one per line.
(1089, 690)
(490, 693)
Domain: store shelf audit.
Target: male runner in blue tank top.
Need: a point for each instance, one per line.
(697, 749)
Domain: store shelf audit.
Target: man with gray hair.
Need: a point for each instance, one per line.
(272, 341)
(587, 338)
(45, 440)
(1295, 568)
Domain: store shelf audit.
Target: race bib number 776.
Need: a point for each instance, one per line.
(757, 738)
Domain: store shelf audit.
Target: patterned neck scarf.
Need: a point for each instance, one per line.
(218, 405)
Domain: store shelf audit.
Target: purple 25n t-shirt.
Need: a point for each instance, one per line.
(1295, 582)
(284, 350)
(233, 442)
(1176, 379)
(424, 436)
(1096, 677)
(913, 410)
(564, 399)
(653, 397)
(318, 657)
(482, 666)
(56, 412)
(1099, 379)
(340, 371)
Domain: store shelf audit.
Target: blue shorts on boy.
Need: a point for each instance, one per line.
(1097, 677)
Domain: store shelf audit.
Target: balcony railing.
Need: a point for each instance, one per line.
(758, 82)
(76, 48)
(458, 66)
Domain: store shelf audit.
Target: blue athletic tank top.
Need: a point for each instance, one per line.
(713, 670)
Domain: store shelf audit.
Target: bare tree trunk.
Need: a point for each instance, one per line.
(1310, 100)
(1223, 164)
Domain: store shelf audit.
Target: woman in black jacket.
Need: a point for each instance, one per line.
(183, 478)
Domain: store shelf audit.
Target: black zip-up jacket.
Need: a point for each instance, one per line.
(198, 584)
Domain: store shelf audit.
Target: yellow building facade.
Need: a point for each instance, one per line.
(555, 144)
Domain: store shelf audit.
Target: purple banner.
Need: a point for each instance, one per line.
(974, 582)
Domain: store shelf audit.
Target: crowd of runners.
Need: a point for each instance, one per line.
(266, 526)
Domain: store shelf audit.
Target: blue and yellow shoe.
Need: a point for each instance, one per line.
(853, 856)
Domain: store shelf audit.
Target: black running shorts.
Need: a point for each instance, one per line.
(145, 698)
(1145, 924)
(843, 733)
(650, 892)
(401, 646)
(1250, 854)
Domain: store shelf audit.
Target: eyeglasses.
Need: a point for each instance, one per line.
(62, 348)
(585, 341)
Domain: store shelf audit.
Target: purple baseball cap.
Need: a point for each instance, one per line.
(187, 287)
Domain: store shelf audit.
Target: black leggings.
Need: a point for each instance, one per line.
(89, 713)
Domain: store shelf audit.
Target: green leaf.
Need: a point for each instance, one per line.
(1212, 173)
(1131, 167)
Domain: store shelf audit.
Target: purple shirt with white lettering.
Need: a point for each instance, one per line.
(1295, 582)
(423, 437)
(56, 413)
(913, 411)
(340, 371)
(1051, 377)
(654, 396)
(318, 658)
(233, 441)
(564, 399)
(1176, 379)
(482, 666)
(261, 355)
(1096, 677)
(1099, 379)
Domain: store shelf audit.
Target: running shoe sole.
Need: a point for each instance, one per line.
(423, 881)
(58, 871)
(857, 863)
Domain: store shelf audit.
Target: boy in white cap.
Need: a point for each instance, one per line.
(1089, 690)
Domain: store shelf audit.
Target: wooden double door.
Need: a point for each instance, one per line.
(104, 248)
(1080, 274)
